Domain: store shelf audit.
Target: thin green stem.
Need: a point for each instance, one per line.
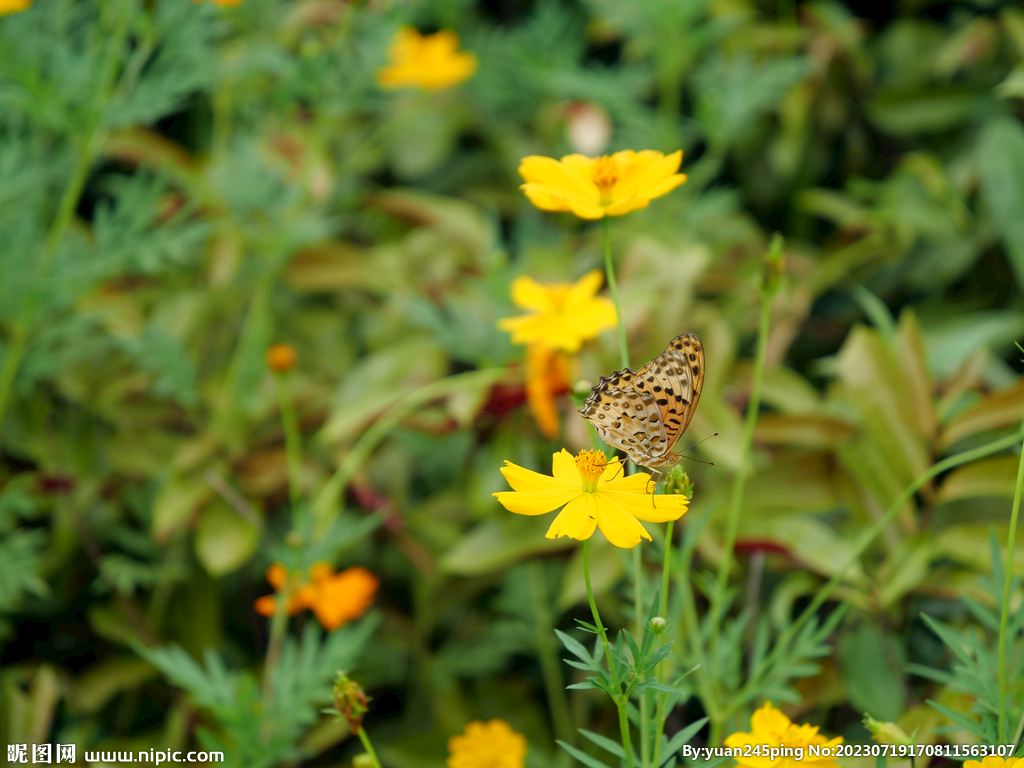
(666, 569)
(292, 438)
(690, 629)
(553, 683)
(278, 627)
(620, 702)
(613, 289)
(753, 684)
(1004, 614)
(661, 712)
(361, 733)
(326, 503)
(90, 143)
(742, 472)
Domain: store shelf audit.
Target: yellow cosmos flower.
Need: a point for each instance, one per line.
(595, 495)
(563, 315)
(769, 727)
(221, 3)
(13, 6)
(487, 745)
(993, 762)
(432, 62)
(595, 187)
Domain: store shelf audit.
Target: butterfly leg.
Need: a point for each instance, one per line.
(657, 474)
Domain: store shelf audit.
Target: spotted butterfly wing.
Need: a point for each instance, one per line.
(643, 413)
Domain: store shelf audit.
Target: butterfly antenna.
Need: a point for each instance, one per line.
(699, 461)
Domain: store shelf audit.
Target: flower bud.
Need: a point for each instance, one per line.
(677, 482)
(658, 625)
(362, 760)
(886, 733)
(282, 358)
(350, 701)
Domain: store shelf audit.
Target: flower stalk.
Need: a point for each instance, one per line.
(769, 288)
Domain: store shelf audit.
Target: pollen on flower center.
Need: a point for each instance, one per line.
(604, 174)
(591, 465)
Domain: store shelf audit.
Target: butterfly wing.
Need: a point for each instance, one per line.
(626, 418)
(644, 412)
(676, 378)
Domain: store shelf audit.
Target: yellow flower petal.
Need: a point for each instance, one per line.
(430, 62)
(527, 481)
(651, 509)
(593, 188)
(563, 467)
(564, 315)
(527, 293)
(617, 525)
(534, 502)
(577, 520)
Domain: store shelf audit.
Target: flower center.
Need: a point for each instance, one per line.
(591, 465)
(605, 173)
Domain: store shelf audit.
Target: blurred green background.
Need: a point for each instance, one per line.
(183, 185)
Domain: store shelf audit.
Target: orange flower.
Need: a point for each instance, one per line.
(221, 3)
(431, 62)
(546, 376)
(277, 576)
(336, 599)
(281, 358)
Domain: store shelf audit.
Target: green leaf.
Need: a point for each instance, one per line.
(574, 646)
(681, 738)
(583, 757)
(224, 540)
(872, 671)
(1000, 153)
(604, 743)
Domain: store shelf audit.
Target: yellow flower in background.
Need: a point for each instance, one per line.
(221, 2)
(487, 745)
(770, 727)
(563, 315)
(13, 6)
(595, 187)
(432, 62)
(594, 494)
(993, 761)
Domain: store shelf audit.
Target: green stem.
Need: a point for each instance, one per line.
(326, 503)
(661, 713)
(613, 289)
(691, 630)
(1005, 612)
(553, 683)
(292, 439)
(742, 472)
(620, 703)
(278, 627)
(753, 684)
(361, 733)
(90, 144)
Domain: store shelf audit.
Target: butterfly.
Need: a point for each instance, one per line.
(643, 413)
